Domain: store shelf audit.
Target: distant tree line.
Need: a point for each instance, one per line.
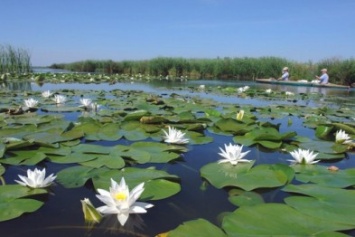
(14, 60)
(340, 71)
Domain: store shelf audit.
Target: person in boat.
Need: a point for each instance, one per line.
(285, 74)
(324, 78)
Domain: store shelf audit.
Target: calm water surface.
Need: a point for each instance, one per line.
(61, 214)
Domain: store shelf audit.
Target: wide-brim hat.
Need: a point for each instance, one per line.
(285, 69)
(324, 70)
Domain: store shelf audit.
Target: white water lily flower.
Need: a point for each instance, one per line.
(95, 107)
(342, 138)
(240, 90)
(30, 103)
(175, 136)
(120, 201)
(243, 89)
(36, 179)
(59, 99)
(85, 102)
(268, 91)
(289, 93)
(232, 154)
(303, 157)
(46, 94)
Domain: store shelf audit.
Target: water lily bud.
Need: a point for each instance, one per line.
(240, 115)
(90, 212)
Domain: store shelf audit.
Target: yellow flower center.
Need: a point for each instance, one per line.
(121, 196)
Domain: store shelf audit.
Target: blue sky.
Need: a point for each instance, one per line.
(71, 30)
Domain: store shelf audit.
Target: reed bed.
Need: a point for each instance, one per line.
(246, 68)
(14, 60)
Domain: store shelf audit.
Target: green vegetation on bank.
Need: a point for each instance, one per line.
(340, 71)
(14, 60)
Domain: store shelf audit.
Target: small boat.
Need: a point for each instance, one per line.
(300, 83)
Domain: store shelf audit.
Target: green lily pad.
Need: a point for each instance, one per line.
(245, 177)
(135, 115)
(159, 152)
(268, 137)
(110, 132)
(323, 147)
(198, 138)
(13, 204)
(24, 158)
(243, 198)
(274, 219)
(233, 126)
(139, 156)
(134, 131)
(324, 176)
(333, 205)
(77, 176)
(199, 227)
(90, 129)
(109, 161)
(91, 149)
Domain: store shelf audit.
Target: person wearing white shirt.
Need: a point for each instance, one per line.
(324, 78)
(285, 74)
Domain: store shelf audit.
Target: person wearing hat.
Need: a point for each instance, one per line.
(324, 78)
(285, 74)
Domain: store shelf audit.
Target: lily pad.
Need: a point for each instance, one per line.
(77, 176)
(325, 147)
(159, 152)
(24, 158)
(324, 176)
(275, 219)
(333, 205)
(13, 204)
(245, 176)
(199, 227)
(268, 137)
(243, 198)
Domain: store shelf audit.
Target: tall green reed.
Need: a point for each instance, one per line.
(14, 60)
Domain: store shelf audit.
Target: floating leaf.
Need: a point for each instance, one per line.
(322, 147)
(324, 176)
(332, 205)
(12, 201)
(274, 219)
(244, 176)
(110, 132)
(24, 158)
(243, 198)
(199, 227)
(159, 152)
(135, 115)
(77, 176)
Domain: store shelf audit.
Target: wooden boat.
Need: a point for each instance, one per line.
(300, 83)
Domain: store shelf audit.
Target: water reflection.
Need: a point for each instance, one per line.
(17, 85)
